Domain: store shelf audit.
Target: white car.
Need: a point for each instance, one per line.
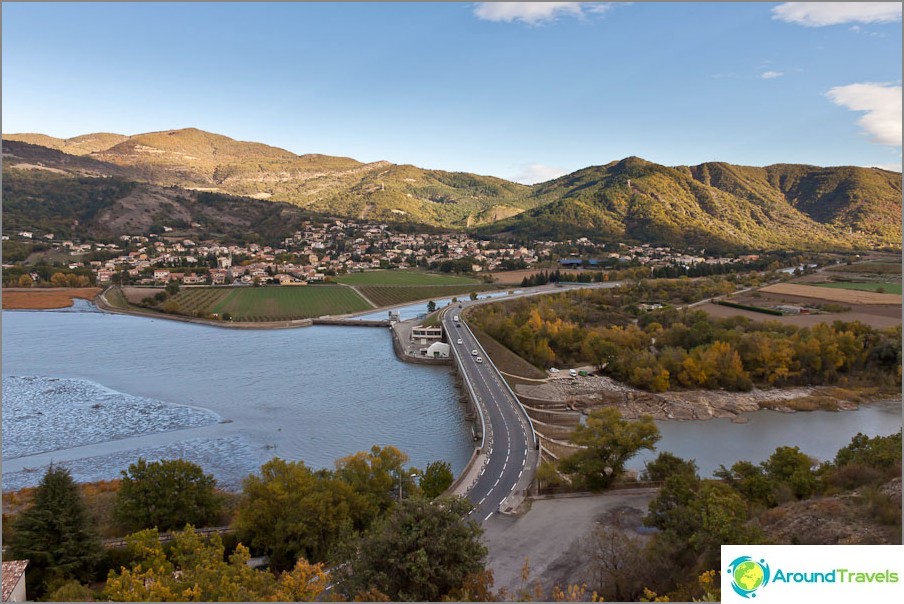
(474, 353)
(458, 341)
(479, 359)
(554, 370)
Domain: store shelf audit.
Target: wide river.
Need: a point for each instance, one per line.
(95, 391)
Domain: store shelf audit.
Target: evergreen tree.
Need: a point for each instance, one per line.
(55, 533)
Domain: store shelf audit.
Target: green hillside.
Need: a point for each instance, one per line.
(717, 206)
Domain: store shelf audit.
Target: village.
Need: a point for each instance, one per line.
(323, 250)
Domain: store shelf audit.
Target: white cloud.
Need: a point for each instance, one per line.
(531, 174)
(768, 75)
(891, 167)
(881, 104)
(534, 13)
(819, 14)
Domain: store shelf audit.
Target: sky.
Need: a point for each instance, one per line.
(523, 91)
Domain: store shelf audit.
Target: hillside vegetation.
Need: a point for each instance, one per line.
(714, 206)
(717, 206)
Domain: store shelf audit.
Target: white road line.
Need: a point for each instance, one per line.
(488, 516)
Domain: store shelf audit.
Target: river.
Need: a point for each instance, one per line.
(94, 391)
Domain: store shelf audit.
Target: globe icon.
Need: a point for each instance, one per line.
(748, 575)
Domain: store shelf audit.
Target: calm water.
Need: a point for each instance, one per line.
(818, 433)
(94, 391)
(314, 394)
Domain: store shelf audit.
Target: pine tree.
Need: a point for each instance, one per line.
(55, 533)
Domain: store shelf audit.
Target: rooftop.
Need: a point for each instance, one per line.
(12, 572)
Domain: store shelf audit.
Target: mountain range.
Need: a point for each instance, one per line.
(713, 205)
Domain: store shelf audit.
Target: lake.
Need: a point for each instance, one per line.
(95, 391)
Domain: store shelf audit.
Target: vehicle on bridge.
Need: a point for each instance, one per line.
(479, 359)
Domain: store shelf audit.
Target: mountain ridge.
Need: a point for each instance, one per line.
(712, 204)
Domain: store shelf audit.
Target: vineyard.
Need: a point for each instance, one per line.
(402, 277)
(261, 304)
(390, 295)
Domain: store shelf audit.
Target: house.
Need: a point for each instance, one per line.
(14, 580)
(426, 334)
(161, 275)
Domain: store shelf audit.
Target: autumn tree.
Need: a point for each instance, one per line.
(196, 569)
(291, 512)
(420, 551)
(55, 533)
(609, 441)
(166, 495)
(376, 476)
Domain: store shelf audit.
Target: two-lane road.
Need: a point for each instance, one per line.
(510, 443)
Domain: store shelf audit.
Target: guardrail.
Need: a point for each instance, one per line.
(504, 383)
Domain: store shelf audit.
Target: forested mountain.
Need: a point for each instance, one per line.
(717, 206)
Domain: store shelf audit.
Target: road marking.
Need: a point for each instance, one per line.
(488, 516)
(520, 473)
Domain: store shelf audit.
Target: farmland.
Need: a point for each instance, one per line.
(886, 288)
(400, 277)
(835, 295)
(39, 299)
(259, 304)
(390, 295)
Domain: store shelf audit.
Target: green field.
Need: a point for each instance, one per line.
(270, 303)
(888, 288)
(403, 277)
(390, 295)
(875, 267)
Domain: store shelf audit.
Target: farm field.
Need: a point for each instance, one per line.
(42, 299)
(889, 288)
(390, 295)
(270, 303)
(403, 277)
(846, 296)
(874, 268)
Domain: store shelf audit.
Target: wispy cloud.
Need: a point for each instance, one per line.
(534, 13)
(530, 174)
(881, 104)
(769, 75)
(819, 14)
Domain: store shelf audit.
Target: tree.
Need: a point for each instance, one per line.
(376, 475)
(667, 464)
(59, 280)
(436, 479)
(25, 281)
(172, 288)
(55, 533)
(196, 569)
(289, 512)
(421, 551)
(431, 306)
(609, 441)
(473, 295)
(166, 495)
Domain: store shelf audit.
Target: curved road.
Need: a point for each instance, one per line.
(509, 441)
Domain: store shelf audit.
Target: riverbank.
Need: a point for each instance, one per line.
(46, 298)
(583, 394)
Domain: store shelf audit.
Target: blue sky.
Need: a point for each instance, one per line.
(524, 91)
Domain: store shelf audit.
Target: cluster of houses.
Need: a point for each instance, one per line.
(319, 250)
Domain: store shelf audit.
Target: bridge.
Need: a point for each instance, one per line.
(508, 452)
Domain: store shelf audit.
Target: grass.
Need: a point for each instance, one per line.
(872, 286)
(46, 298)
(876, 268)
(390, 295)
(402, 277)
(270, 303)
(506, 360)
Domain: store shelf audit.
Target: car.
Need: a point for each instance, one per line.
(479, 359)
(554, 370)
(474, 353)
(573, 372)
(458, 341)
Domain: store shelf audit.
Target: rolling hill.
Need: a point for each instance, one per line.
(717, 206)
(198, 160)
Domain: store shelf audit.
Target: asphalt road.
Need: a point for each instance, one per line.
(509, 439)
